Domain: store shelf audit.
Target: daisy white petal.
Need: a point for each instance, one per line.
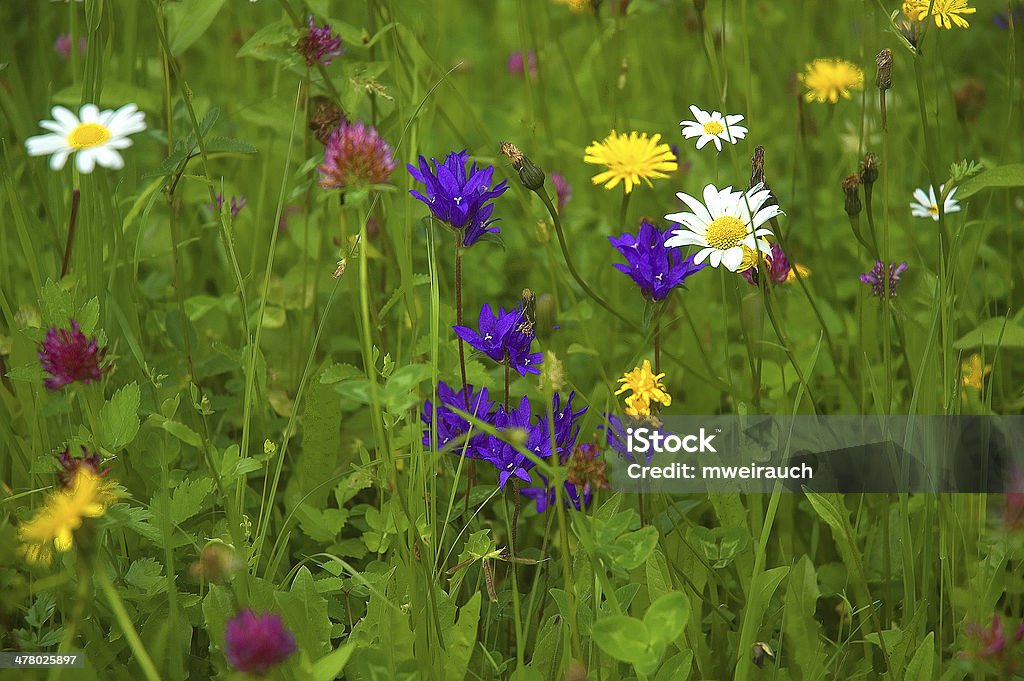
(732, 258)
(94, 136)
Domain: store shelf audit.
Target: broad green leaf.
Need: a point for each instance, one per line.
(188, 497)
(800, 623)
(920, 666)
(305, 612)
(187, 20)
(229, 145)
(330, 666)
(144, 574)
(460, 640)
(339, 372)
(119, 418)
(676, 668)
(667, 616)
(89, 316)
(624, 638)
(57, 307)
(659, 582)
(273, 42)
(1000, 176)
(829, 508)
(995, 332)
(183, 433)
(634, 548)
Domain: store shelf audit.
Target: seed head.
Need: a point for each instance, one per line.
(883, 74)
(851, 187)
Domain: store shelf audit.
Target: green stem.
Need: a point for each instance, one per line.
(125, 622)
(624, 209)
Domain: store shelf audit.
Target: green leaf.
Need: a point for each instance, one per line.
(667, 617)
(273, 42)
(995, 332)
(460, 639)
(56, 304)
(183, 433)
(920, 666)
(89, 316)
(829, 508)
(187, 20)
(330, 666)
(624, 638)
(119, 418)
(339, 372)
(1000, 176)
(229, 145)
(800, 623)
(305, 612)
(144, 574)
(676, 668)
(659, 582)
(634, 548)
(187, 498)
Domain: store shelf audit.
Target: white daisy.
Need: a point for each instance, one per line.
(713, 127)
(724, 224)
(927, 206)
(94, 135)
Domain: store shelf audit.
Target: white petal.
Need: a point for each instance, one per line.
(704, 139)
(42, 145)
(732, 258)
(690, 221)
(919, 211)
(716, 258)
(921, 197)
(63, 116)
(712, 199)
(718, 142)
(733, 119)
(683, 237)
(690, 133)
(700, 115)
(85, 160)
(54, 126)
(58, 160)
(702, 255)
(738, 132)
(90, 113)
(108, 158)
(696, 206)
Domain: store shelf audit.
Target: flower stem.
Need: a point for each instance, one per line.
(125, 622)
(76, 196)
(657, 348)
(624, 209)
(458, 317)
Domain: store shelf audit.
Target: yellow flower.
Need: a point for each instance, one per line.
(795, 270)
(646, 386)
(630, 158)
(578, 6)
(973, 372)
(946, 12)
(828, 79)
(62, 513)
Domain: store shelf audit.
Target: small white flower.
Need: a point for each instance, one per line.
(713, 127)
(94, 136)
(927, 206)
(726, 226)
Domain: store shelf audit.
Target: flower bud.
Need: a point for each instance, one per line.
(868, 170)
(851, 187)
(530, 173)
(883, 73)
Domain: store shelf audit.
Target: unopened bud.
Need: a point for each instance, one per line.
(851, 187)
(217, 562)
(883, 74)
(757, 175)
(530, 173)
(869, 169)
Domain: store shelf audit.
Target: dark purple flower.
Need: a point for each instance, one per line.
(457, 198)
(778, 266)
(876, 278)
(520, 63)
(62, 46)
(237, 204)
(319, 44)
(68, 356)
(587, 471)
(655, 268)
(70, 465)
(355, 154)
(536, 438)
(451, 426)
(616, 436)
(255, 643)
(505, 338)
(563, 190)
(992, 646)
(544, 496)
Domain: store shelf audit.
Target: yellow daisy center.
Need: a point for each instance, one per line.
(88, 135)
(933, 209)
(713, 128)
(726, 232)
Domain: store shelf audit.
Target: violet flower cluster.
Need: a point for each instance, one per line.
(517, 424)
(505, 337)
(253, 643)
(876, 278)
(655, 267)
(459, 198)
(319, 45)
(355, 154)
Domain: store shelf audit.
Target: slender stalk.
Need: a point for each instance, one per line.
(657, 347)
(458, 318)
(124, 621)
(76, 195)
(624, 209)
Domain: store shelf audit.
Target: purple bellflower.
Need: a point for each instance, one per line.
(656, 268)
(506, 338)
